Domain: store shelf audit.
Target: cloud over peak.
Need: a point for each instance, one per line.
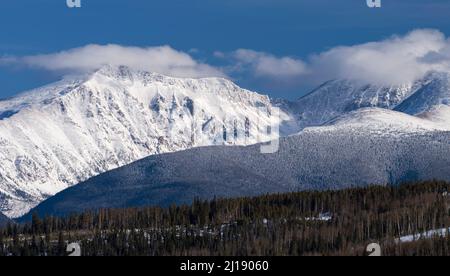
(163, 59)
(267, 65)
(396, 60)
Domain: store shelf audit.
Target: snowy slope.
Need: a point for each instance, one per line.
(439, 233)
(439, 114)
(61, 134)
(382, 121)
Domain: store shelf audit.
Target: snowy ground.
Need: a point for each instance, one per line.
(444, 232)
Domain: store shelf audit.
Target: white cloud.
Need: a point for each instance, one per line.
(397, 60)
(164, 60)
(219, 54)
(267, 65)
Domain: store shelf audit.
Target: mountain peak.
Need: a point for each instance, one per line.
(146, 85)
(123, 72)
(111, 71)
(126, 79)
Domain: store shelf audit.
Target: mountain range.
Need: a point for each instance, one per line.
(91, 130)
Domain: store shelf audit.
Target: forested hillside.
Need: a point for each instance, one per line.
(306, 223)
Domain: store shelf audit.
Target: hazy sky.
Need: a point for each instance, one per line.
(271, 46)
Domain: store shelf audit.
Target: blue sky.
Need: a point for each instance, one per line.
(204, 28)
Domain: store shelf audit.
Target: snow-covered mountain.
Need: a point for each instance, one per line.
(338, 97)
(59, 135)
(428, 97)
(365, 147)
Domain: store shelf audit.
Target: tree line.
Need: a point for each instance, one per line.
(340, 222)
